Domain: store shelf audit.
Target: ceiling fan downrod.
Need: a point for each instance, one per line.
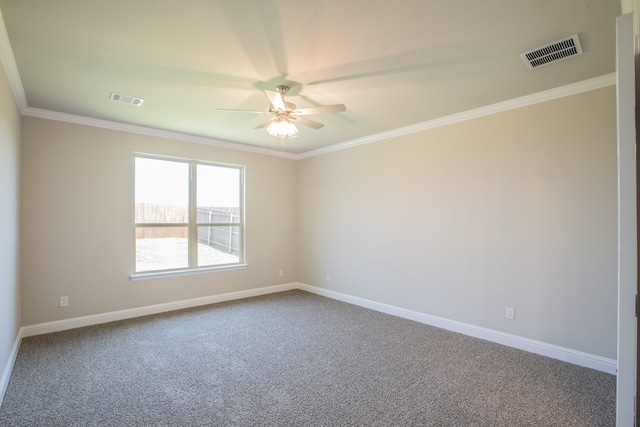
(282, 89)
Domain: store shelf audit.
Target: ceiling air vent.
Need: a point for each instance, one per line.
(552, 52)
(126, 99)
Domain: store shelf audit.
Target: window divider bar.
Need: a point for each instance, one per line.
(193, 215)
(161, 224)
(218, 224)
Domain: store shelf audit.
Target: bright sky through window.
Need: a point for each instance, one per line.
(174, 232)
(162, 182)
(223, 180)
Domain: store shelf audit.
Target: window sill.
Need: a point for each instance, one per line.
(161, 274)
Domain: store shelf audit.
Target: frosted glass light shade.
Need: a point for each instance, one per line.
(282, 129)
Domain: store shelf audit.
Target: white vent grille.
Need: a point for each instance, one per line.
(552, 52)
(126, 99)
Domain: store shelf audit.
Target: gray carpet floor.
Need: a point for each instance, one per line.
(292, 359)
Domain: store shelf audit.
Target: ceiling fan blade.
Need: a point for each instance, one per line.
(306, 122)
(276, 98)
(321, 109)
(241, 111)
(264, 125)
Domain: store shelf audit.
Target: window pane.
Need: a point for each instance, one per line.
(161, 191)
(218, 195)
(218, 245)
(179, 200)
(161, 248)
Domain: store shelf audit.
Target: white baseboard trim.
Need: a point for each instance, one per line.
(95, 319)
(556, 352)
(8, 368)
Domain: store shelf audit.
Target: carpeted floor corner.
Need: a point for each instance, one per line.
(293, 359)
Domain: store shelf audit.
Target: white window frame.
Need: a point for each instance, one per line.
(192, 224)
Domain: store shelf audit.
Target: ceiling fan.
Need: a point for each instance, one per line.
(286, 115)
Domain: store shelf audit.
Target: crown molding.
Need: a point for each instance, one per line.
(512, 104)
(10, 68)
(148, 131)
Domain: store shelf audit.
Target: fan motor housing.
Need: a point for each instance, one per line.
(288, 105)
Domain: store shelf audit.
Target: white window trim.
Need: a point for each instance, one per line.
(185, 272)
(143, 275)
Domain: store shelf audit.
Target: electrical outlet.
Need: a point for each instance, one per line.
(281, 273)
(328, 277)
(509, 313)
(64, 301)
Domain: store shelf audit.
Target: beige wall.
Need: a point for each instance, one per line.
(9, 220)
(76, 233)
(515, 209)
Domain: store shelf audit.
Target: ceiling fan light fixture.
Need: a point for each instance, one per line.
(282, 128)
(284, 114)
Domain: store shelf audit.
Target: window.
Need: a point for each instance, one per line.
(188, 214)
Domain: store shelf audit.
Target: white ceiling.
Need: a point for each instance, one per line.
(392, 63)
